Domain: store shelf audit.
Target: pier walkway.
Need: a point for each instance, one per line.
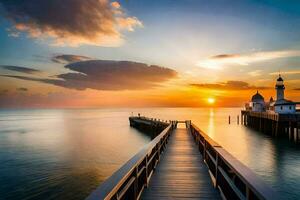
(181, 163)
(181, 173)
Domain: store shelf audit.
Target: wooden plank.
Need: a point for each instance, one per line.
(181, 173)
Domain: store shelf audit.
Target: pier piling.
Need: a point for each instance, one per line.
(272, 123)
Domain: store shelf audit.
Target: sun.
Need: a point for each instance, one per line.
(211, 100)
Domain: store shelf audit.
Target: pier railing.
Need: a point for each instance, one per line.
(230, 176)
(130, 180)
(151, 120)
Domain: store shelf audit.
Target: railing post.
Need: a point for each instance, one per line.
(247, 193)
(158, 151)
(135, 184)
(217, 164)
(147, 172)
(204, 150)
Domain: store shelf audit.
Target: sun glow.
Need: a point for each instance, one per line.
(211, 100)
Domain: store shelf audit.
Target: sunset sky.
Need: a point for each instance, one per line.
(132, 53)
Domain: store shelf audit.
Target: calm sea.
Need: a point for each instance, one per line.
(65, 154)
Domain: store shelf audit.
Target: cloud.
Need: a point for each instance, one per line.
(108, 75)
(286, 72)
(255, 73)
(25, 70)
(3, 92)
(222, 56)
(65, 58)
(219, 61)
(70, 22)
(22, 89)
(115, 5)
(229, 85)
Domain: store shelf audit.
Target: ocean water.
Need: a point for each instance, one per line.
(65, 154)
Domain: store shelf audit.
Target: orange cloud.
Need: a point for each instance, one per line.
(219, 61)
(70, 22)
(68, 58)
(115, 4)
(286, 72)
(229, 85)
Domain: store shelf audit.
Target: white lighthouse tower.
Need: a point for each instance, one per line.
(282, 105)
(279, 88)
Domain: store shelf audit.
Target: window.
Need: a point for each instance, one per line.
(280, 107)
(290, 107)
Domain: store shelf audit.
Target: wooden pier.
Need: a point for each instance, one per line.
(181, 172)
(273, 123)
(182, 164)
(150, 126)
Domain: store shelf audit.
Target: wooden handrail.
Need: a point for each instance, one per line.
(129, 181)
(152, 120)
(230, 176)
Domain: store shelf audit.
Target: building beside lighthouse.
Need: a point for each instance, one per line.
(258, 103)
(280, 105)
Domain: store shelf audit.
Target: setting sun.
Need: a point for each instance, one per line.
(211, 100)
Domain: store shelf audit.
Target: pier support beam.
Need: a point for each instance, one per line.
(273, 123)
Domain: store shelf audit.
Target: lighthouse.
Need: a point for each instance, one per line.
(282, 105)
(279, 88)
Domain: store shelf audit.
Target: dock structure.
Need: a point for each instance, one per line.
(182, 163)
(150, 126)
(181, 172)
(273, 123)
